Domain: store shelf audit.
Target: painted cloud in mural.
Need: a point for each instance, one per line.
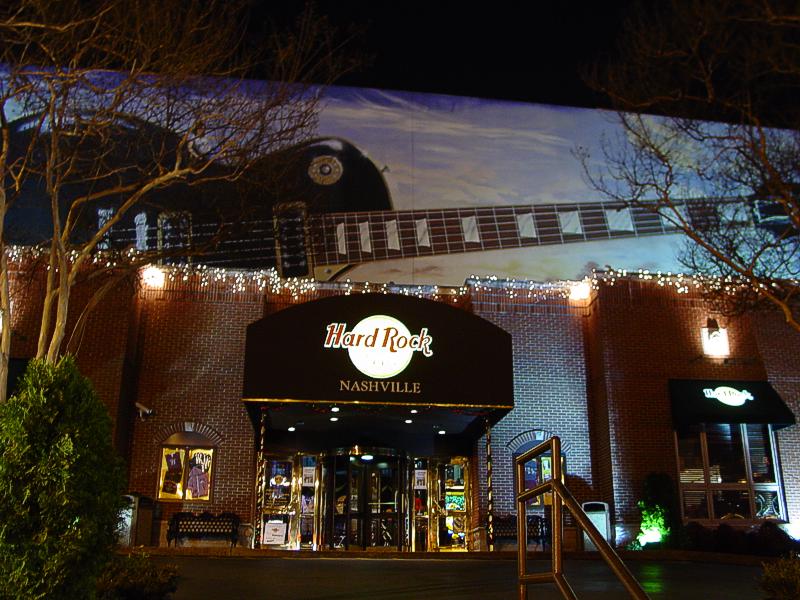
(448, 152)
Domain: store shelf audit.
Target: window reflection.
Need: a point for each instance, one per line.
(725, 454)
(731, 504)
(713, 465)
(691, 457)
(695, 505)
(760, 453)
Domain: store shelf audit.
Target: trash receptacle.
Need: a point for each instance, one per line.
(598, 514)
(477, 539)
(136, 521)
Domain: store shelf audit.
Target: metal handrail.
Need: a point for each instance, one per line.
(561, 497)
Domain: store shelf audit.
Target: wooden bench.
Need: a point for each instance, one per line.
(204, 525)
(505, 528)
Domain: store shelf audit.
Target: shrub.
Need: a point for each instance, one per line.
(136, 577)
(771, 540)
(653, 528)
(660, 508)
(781, 579)
(699, 537)
(60, 485)
(766, 540)
(731, 540)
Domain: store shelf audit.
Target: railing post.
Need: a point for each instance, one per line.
(561, 496)
(489, 490)
(557, 520)
(260, 477)
(522, 529)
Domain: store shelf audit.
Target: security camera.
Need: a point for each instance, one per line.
(144, 412)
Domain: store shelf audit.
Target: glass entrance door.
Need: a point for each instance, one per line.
(454, 496)
(364, 500)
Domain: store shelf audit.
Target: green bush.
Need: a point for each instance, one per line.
(60, 485)
(771, 540)
(660, 508)
(136, 577)
(781, 579)
(653, 529)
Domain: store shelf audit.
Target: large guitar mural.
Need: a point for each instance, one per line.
(474, 187)
(426, 189)
(409, 188)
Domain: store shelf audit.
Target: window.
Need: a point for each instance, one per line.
(727, 471)
(538, 471)
(140, 222)
(187, 468)
(174, 234)
(104, 215)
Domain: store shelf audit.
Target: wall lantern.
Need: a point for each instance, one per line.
(715, 340)
(580, 290)
(153, 277)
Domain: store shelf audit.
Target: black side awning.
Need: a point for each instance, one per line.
(720, 401)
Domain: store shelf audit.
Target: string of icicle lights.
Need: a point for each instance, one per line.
(684, 284)
(268, 280)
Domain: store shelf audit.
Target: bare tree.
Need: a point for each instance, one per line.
(107, 105)
(705, 93)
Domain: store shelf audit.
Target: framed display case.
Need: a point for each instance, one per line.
(185, 473)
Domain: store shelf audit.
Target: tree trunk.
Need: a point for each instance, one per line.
(47, 307)
(5, 323)
(60, 327)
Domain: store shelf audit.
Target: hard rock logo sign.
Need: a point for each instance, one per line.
(379, 346)
(728, 395)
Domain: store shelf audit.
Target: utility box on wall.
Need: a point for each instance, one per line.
(136, 524)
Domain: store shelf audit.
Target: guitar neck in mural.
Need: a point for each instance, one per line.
(352, 238)
(301, 240)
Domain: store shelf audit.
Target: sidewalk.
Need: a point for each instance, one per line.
(260, 577)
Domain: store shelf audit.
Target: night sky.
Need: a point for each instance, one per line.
(528, 51)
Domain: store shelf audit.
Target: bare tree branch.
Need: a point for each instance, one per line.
(109, 109)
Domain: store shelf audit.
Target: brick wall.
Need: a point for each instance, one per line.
(597, 377)
(191, 351)
(781, 361)
(644, 336)
(549, 399)
(98, 344)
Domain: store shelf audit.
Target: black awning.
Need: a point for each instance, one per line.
(719, 401)
(452, 358)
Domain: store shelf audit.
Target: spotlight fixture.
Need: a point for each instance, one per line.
(414, 411)
(334, 419)
(409, 421)
(292, 428)
(334, 409)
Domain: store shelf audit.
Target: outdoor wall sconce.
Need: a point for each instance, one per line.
(715, 340)
(153, 277)
(580, 290)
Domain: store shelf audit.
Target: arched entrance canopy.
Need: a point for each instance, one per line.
(377, 357)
